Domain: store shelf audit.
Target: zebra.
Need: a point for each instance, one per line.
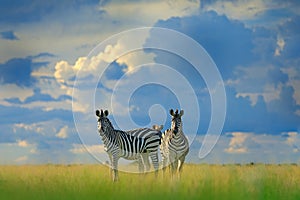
(174, 146)
(144, 162)
(138, 144)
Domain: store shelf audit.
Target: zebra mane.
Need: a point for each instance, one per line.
(115, 130)
(110, 124)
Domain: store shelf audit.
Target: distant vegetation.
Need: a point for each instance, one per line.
(252, 181)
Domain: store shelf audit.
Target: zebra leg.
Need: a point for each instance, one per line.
(114, 163)
(154, 158)
(145, 158)
(173, 163)
(110, 165)
(173, 166)
(180, 163)
(141, 164)
(164, 163)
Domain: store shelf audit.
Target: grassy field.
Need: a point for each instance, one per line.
(197, 182)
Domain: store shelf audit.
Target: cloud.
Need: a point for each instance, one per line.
(254, 12)
(240, 10)
(23, 12)
(94, 65)
(286, 104)
(149, 11)
(257, 84)
(80, 149)
(16, 71)
(289, 34)
(70, 40)
(87, 71)
(237, 141)
(62, 133)
(35, 127)
(34, 87)
(234, 41)
(47, 141)
(76, 38)
(8, 35)
(274, 117)
(294, 81)
(258, 64)
(16, 152)
(12, 91)
(246, 147)
(293, 140)
(255, 81)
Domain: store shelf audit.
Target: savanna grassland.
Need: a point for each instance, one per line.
(197, 182)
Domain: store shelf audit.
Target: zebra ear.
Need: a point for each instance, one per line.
(106, 113)
(172, 112)
(181, 113)
(98, 113)
(157, 127)
(161, 127)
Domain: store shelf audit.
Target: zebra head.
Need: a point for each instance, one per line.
(103, 121)
(176, 125)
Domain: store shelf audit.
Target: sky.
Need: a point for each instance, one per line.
(232, 66)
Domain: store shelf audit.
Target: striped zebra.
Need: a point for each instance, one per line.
(174, 146)
(144, 161)
(135, 144)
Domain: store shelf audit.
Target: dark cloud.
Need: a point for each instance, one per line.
(115, 71)
(286, 104)
(235, 47)
(273, 118)
(8, 35)
(26, 11)
(16, 71)
(228, 42)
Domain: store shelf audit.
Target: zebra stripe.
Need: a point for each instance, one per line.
(135, 144)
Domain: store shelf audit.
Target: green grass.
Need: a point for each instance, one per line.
(197, 182)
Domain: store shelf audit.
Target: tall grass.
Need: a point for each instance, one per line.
(197, 182)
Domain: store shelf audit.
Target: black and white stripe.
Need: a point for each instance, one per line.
(174, 146)
(135, 144)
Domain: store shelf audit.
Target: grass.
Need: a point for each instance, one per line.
(197, 182)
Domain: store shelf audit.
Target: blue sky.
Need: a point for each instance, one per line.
(52, 78)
